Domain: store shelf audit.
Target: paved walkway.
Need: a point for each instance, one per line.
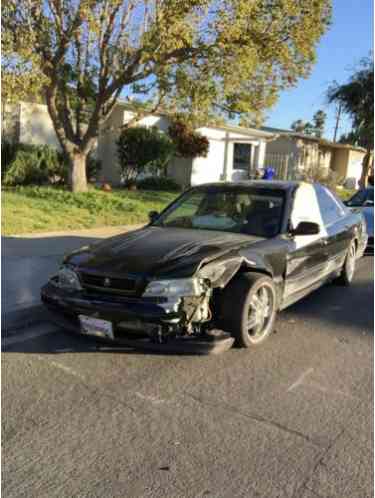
(28, 260)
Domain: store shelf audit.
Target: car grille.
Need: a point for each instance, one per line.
(110, 285)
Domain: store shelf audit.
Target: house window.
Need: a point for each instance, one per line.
(242, 156)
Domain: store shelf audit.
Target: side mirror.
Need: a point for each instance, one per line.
(152, 216)
(369, 203)
(306, 228)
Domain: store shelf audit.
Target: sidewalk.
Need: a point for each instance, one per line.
(28, 260)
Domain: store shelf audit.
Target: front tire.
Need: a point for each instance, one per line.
(250, 305)
(347, 272)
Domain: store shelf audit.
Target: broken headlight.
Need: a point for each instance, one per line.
(67, 279)
(179, 287)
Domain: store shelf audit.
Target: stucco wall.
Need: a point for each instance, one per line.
(339, 163)
(282, 145)
(107, 151)
(10, 122)
(218, 165)
(354, 170)
(36, 126)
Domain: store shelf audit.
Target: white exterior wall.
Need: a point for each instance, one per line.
(218, 165)
(36, 126)
(354, 171)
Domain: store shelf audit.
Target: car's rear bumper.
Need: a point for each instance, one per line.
(64, 308)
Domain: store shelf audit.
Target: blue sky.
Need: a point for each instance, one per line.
(349, 38)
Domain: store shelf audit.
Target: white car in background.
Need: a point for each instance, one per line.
(364, 199)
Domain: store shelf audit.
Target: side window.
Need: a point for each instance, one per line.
(330, 209)
(305, 206)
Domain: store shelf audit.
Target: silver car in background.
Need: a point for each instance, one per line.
(364, 199)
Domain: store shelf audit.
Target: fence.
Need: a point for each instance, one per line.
(283, 164)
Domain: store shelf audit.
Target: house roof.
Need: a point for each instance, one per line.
(253, 132)
(311, 138)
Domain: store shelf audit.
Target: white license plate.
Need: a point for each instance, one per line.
(96, 327)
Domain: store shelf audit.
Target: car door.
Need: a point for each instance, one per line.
(306, 260)
(337, 226)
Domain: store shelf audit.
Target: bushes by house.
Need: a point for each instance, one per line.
(26, 164)
(158, 183)
(141, 149)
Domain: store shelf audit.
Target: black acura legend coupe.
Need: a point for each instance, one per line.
(210, 270)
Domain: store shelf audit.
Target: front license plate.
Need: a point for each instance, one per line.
(96, 327)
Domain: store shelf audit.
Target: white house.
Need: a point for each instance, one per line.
(234, 152)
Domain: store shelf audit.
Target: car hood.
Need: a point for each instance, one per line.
(156, 251)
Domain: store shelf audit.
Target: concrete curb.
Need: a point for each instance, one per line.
(23, 316)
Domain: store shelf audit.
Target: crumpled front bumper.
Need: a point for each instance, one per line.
(65, 307)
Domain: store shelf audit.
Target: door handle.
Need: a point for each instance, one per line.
(324, 242)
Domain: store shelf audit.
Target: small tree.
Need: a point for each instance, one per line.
(298, 126)
(356, 98)
(319, 120)
(139, 148)
(188, 142)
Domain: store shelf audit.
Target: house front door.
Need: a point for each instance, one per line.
(242, 155)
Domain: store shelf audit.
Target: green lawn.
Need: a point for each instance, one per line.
(38, 209)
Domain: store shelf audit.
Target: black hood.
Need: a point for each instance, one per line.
(155, 251)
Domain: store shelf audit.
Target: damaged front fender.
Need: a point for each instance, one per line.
(220, 272)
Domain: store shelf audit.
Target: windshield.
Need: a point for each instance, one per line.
(256, 211)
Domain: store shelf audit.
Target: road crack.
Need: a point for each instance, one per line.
(252, 416)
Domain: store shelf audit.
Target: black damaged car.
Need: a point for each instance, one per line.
(212, 269)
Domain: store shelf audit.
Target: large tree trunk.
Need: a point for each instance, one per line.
(77, 173)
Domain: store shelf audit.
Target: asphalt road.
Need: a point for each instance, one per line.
(292, 418)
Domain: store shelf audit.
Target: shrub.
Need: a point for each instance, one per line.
(139, 148)
(188, 143)
(329, 178)
(26, 164)
(8, 153)
(35, 164)
(158, 183)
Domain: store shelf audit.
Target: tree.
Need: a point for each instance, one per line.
(309, 129)
(298, 126)
(357, 101)
(139, 148)
(199, 57)
(319, 121)
(188, 143)
(315, 128)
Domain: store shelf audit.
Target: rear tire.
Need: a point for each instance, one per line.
(249, 308)
(347, 272)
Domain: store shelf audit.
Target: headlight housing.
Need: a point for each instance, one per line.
(66, 278)
(179, 287)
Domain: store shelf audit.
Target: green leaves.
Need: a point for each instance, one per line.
(357, 100)
(203, 58)
(139, 148)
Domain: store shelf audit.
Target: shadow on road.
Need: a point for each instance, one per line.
(334, 305)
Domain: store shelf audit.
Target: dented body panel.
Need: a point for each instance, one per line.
(129, 262)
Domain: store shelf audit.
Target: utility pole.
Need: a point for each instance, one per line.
(338, 117)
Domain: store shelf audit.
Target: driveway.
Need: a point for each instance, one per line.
(290, 419)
